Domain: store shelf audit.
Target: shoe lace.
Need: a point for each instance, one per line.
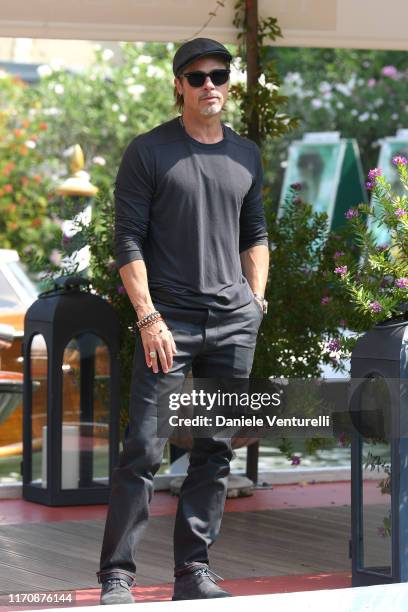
(112, 583)
(206, 571)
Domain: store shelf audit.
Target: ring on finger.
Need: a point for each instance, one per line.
(153, 354)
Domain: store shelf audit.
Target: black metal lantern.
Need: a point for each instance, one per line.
(70, 396)
(379, 508)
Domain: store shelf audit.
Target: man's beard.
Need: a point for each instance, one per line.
(212, 109)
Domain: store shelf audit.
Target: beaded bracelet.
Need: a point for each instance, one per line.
(147, 318)
(134, 328)
(150, 323)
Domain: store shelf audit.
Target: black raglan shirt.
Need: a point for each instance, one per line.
(188, 209)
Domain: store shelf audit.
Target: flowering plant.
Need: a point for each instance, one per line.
(377, 281)
(24, 183)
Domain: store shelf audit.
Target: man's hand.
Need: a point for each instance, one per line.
(4, 345)
(158, 339)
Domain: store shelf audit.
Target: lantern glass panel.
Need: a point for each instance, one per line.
(39, 382)
(376, 475)
(85, 413)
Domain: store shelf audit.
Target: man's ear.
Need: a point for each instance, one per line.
(178, 86)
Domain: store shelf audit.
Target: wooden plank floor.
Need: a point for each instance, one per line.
(64, 555)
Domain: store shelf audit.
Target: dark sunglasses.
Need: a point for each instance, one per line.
(197, 79)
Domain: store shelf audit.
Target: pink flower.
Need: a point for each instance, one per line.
(369, 185)
(350, 213)
(373, 173)
(400, 212)
(375, 306)
(338, 254)
(120, 289)
(342, 440)
(334, 345)
(401, 283)
(325, 300)
(399, 160)
(296, 186)
(295, 460)
(371, 82)
(390, 71)
(342, 270)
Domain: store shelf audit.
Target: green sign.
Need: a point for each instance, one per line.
(329, 170)
(390, 148)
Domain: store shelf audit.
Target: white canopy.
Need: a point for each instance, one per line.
(371, 24)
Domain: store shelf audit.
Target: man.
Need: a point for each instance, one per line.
(192, 251)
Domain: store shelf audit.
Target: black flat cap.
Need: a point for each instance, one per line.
(198, 47)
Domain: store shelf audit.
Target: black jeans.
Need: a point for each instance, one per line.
(212, 344)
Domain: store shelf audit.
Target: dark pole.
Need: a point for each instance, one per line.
(251, 17)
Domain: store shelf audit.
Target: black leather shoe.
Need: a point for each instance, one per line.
(197, 583)
(115, 591)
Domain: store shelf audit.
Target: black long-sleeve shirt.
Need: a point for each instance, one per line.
(188, 209)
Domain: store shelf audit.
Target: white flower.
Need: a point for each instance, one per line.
(59, 89)
(97, 47)
(378, 102)
(122, 118)
(144, 59)
(354, 112)
(237, 75)
(374, 116)
(294, 78)
(115, 108)
(364, 117)
(44, 70)
(136, 91)
(351, 83)
(272, 87)
(340, 105)
(261, 79)
(30, 144)
(325, 87)
(129, 81)
(107, 55)
(99, 161)
(343, 89)
(316, 103)
(135, 70)
(394, 116)
(52, 111)
(155, 71)
(170, 46)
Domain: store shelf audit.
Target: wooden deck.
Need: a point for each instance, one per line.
(64, 555)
